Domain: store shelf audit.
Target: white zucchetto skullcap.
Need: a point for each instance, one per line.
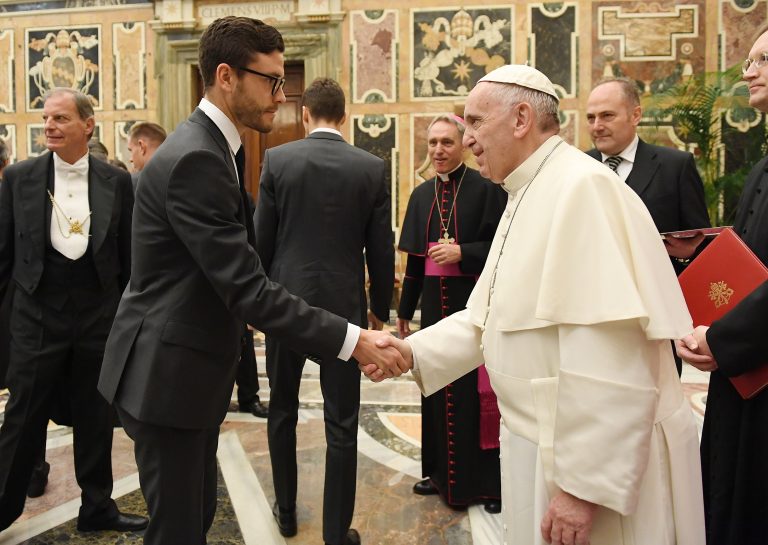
(524, 76)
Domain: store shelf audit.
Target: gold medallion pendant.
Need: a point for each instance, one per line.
(76, 228)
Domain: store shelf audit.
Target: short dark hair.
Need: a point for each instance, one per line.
(324, 99)
(628, 88)
(234, 41)
(149, 131)
(5, 153)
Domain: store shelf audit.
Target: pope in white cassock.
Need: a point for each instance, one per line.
(572, 316)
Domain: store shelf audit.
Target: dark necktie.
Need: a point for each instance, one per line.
(613, 162)
(240, 164)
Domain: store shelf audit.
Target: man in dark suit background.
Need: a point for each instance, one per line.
(65, 244)
(321, 203)
(143, 140)
(171, 357)
(666, 179)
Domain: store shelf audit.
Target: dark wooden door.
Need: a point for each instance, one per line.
(287, 126)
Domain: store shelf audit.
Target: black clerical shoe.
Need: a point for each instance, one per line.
(257, 408)
(39, 480)
(286, 521)
(353, 537)
(493, 506)
(424, 488)
(122, 522)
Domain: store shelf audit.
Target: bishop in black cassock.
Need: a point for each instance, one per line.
(470, 206)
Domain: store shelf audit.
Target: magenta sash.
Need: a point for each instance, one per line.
(433, 269)
(490, 416)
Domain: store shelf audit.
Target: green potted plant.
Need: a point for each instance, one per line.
(711, 112)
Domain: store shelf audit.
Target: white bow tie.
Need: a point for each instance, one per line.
(78, 168)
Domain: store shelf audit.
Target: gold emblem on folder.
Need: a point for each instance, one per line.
(720, 293)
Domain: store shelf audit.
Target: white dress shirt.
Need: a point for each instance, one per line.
(628, 159)
(232, 137)
(71, 205)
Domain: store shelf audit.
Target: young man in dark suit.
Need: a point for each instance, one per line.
(171, 357)
(666, 179)
(65, 244)
(321, 203)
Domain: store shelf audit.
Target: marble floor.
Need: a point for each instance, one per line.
(386, 512)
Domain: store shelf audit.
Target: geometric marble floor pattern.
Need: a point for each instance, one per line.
(386, 511)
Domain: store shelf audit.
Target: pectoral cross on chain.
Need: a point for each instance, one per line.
(446, 239)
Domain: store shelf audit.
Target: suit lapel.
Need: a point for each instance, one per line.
(199, 117)
(644, 168)
(34, 198)
(101, 196)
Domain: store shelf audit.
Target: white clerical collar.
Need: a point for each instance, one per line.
(326, 129)
(523, 174)
(81, 165)
(224, 124)
(629, 152)
(447, 176)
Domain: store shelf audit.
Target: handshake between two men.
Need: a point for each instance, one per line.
(381, 356)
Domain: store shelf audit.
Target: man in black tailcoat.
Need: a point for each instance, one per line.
(65, 244)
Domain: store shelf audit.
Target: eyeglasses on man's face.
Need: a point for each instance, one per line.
(277, 82)
(759, 62)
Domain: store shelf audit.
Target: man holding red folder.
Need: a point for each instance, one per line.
(734, 445)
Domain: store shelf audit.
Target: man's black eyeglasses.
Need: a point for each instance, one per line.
(277, 82)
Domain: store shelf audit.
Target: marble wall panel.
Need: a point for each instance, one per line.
(421, 168)
(7, 57)
(122, 129)
(552, 44)
(8, 135)
(378, 134)
(63, 57)
(129, 53)
(569, 126)
(654, 43)
(738, 22)
(453, 48)
(35, 5)
(374, 41)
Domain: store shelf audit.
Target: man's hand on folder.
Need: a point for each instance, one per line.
(694, 349)
(682, 248)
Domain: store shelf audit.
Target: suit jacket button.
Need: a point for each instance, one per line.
(26, 261)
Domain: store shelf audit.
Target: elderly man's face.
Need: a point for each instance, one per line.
(444, 147)
(489, 133)
(612, 119)
(66, 133)
(757, 78)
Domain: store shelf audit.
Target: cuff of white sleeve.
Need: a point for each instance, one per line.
(350, 341)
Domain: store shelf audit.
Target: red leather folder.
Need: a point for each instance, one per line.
(723, 274)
